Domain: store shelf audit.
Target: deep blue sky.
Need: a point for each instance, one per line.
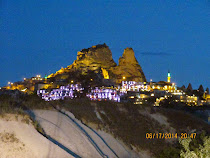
(40, 36)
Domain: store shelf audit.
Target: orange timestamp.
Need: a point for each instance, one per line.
(169, 135)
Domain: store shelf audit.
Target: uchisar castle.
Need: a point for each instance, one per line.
(93, 66)
(98, 60)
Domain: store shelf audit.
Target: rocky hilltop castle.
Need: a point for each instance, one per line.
(99, 59)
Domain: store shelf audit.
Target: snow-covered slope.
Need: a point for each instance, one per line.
(65, 137)
(79, 138)
(20, 140)
(61, 129)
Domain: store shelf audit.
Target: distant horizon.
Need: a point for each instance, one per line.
(40, 37)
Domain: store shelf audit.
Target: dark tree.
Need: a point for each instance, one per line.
(183, 88)
(207, 90)
(189, 88)
(201, 90)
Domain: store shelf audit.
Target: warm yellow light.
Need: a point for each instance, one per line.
(72, 81)
(23, 90)
(124, 77)
(105, 73)
(8, 82)
(51, 75)
(91, 79)
(24, 79)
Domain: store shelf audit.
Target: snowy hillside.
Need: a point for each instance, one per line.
(78, 139)
(20, 140)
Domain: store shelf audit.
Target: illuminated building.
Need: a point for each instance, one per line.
(60, 93)
(137, 97)
(169, 77)
(207, 98)
(134, 86)
(191, 100)
(37, 78)
(164, 86)
(104, 94)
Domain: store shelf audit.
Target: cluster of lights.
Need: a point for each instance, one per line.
(10, 83)
(61, 93)
(180, 97)
(115, 94)
(38, 77)
(134, 86)
(103, 94)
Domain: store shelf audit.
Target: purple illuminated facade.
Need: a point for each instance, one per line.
(97, 93)
(104, 94)
(61, 93)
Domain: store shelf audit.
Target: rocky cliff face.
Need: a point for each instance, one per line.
(93, 59)
(129, 67)
(99, 57)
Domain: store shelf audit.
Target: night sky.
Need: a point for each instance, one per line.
(40, 36)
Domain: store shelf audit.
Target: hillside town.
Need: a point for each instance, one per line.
(128, 91)
(95, 75)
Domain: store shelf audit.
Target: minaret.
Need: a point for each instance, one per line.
(169, 77)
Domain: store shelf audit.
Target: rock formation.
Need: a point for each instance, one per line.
(129, 68)
(93, 59)
(99, 60)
